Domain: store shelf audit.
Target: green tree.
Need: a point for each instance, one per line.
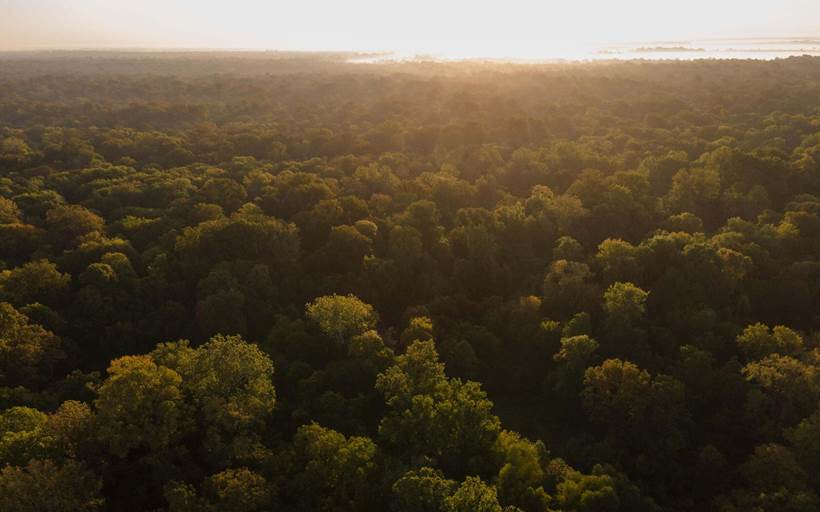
(568, 287)
(9, 211)
(449, 421)
(573, 358)
(695, 191)
(21, 436)
(643, 416)
(625, 303)
(421, 490)
(786, 390)
(238, 490)
(141, 405)
(227, 391)
(256, 238)
(344, 251)
(44, 485)
(618, 260)
(604, 489)
(225, 192)
(16, 153)
(523, 475)
(473, 495)
(340, 317)
(230, 383)
(34, 281)
(333, 472)
(28, 352)
(758, 341)
(67, 223)
(805, 439)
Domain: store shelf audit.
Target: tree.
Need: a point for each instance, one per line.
(418, 328)
(178, 410)
(573, 358)
(604, 489)
(230, 383)
(639, 413)
(27, 434)
(575, 350)
(19, 241)
(256, 238)
(473, 495)
(695, 191)
(21, 436)
(15, 152)
(786, 390)
(227, 392)
(333, 472)
(686, 221)
(522, 476)
(238, 490)
(805, 440)
(625, 303)
(774, 479)
(587, 493)
(617, 393)
(340, 317)
(44, 485)
(71, 428)
(141, 405)
(568, 248)
(345, 251)
(221, 305)
(225, 192)
(758, 341)
(28, 352)
(369, 350)
(421, 490)
(618, 260)
(35, 281)
(567, 287)
(449, 421)
(67, 223)
(9, 211)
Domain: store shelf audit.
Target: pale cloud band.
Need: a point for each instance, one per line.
(513, 28)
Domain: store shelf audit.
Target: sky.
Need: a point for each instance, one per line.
(510, 28)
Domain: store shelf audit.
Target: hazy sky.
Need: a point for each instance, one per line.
(457, 27)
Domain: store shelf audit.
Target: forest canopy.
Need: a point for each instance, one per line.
(253, 282)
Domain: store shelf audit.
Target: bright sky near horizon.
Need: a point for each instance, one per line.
(510, 28)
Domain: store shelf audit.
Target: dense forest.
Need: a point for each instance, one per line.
(257, 282)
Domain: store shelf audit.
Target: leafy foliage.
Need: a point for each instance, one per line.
(254, 282)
